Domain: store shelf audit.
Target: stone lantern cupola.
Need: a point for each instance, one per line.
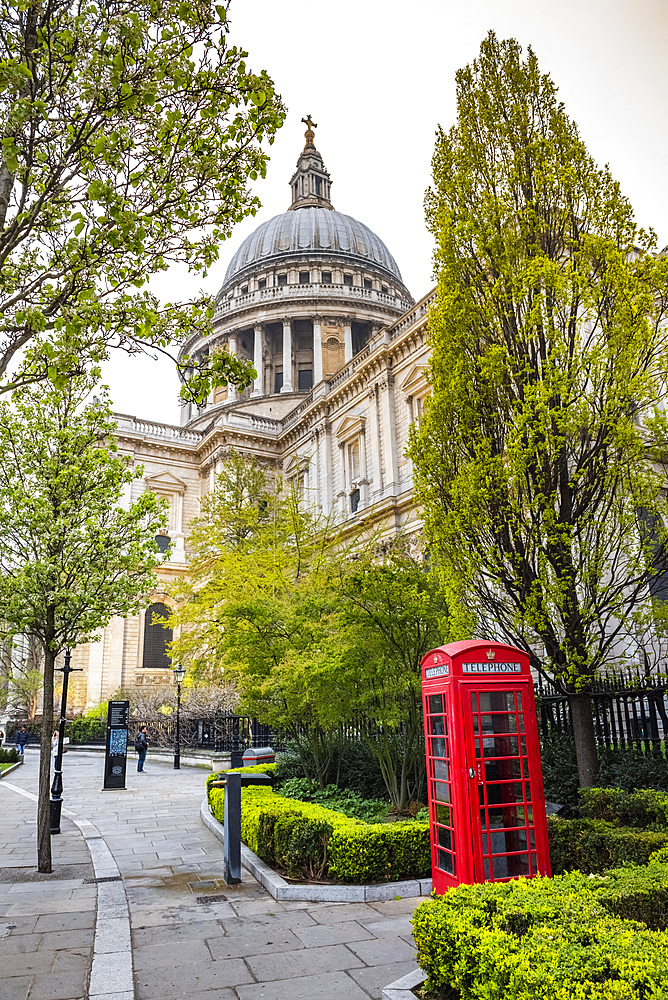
(310, 184)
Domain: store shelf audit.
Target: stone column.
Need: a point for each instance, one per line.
(342, 495)
(287, 356)
(258, 386)
(232, 389)
(388, 423)
(326, 469)
(347, 342)
(317, 352)
(375, 433)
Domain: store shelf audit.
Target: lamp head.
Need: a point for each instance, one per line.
(179, 673)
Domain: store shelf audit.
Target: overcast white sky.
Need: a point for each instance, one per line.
(378, 77)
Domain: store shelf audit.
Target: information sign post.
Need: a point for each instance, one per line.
(116, 755)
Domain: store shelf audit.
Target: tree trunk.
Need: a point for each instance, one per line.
(44, 793)
(585, 740)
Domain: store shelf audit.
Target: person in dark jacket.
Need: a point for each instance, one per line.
(141, 746)
(21, 740)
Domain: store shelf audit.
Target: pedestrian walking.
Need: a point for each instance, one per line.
(141, 746)
(2, 736)
(54, 748)
(21, 740)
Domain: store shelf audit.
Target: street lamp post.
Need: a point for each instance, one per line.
(179, 674)
(56, 803)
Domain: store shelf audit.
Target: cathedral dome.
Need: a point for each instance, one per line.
(312, 229)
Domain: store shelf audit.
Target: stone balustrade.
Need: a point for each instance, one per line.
(288, 293)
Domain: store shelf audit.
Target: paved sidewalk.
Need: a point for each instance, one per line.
(193, 936)
(46, 921)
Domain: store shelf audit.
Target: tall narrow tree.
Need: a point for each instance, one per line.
(74, 551)
(549, 348)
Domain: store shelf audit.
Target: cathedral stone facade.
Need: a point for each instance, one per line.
(317, 302)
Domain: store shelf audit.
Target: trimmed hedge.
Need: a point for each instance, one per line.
(594, 846)
(310, 841)
(548, 939)
(646, 808)
(8, 756)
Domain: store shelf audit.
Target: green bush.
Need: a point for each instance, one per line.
(627, 769)
(8, 756)
(309, 840)
(592, 845)
(353, 761)
(546, 939)
(638, 893)
(344, 800)
(646, 809)
(84, 729)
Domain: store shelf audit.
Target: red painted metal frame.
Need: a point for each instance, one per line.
(480, 770)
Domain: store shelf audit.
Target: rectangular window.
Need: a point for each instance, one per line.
(304, 277)
(348, 280)
(383, 289)
(354, 460)
(305, 379)
(326, 277)
(354, 501)
(367, 284)
(282, 279)
(244, 289)
(262, 283)
(278, 381)
(318, 185)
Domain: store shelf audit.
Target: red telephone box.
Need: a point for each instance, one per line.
(486, 801)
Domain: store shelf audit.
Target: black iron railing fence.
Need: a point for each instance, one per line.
(630, 711)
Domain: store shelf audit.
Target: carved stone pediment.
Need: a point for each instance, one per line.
(415, 383)
(165, 482)
(351, 426)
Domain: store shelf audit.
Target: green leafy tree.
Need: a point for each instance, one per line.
(74, 552)
(258, 608)
(393, 611)
(313, 631)
(130, 133)
(548, 365)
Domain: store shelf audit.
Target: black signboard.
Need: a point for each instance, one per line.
(117, 744)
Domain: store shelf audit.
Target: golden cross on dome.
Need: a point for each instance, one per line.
(309, 135)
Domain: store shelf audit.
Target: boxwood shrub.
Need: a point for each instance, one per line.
(548, 939)
(646, 808)
(309, 840)
(592, 845)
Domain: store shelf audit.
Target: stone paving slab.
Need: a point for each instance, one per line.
(46, 926)
(332, 986)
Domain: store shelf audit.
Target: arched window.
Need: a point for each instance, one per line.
(156, 638)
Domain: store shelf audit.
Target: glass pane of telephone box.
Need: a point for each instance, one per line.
(435, 704)
(510, 866)
(446, 862)
(496, 701)
(437, 725)
(441, 791)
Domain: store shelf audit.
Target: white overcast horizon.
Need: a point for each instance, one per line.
(378, 77)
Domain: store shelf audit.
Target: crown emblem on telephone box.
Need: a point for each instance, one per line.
(491, 654)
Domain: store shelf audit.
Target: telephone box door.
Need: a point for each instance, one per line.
(504, 781)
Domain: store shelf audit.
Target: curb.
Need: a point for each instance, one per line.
(112, 949)
(8, 770)
(402, 989)
(280, 889)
